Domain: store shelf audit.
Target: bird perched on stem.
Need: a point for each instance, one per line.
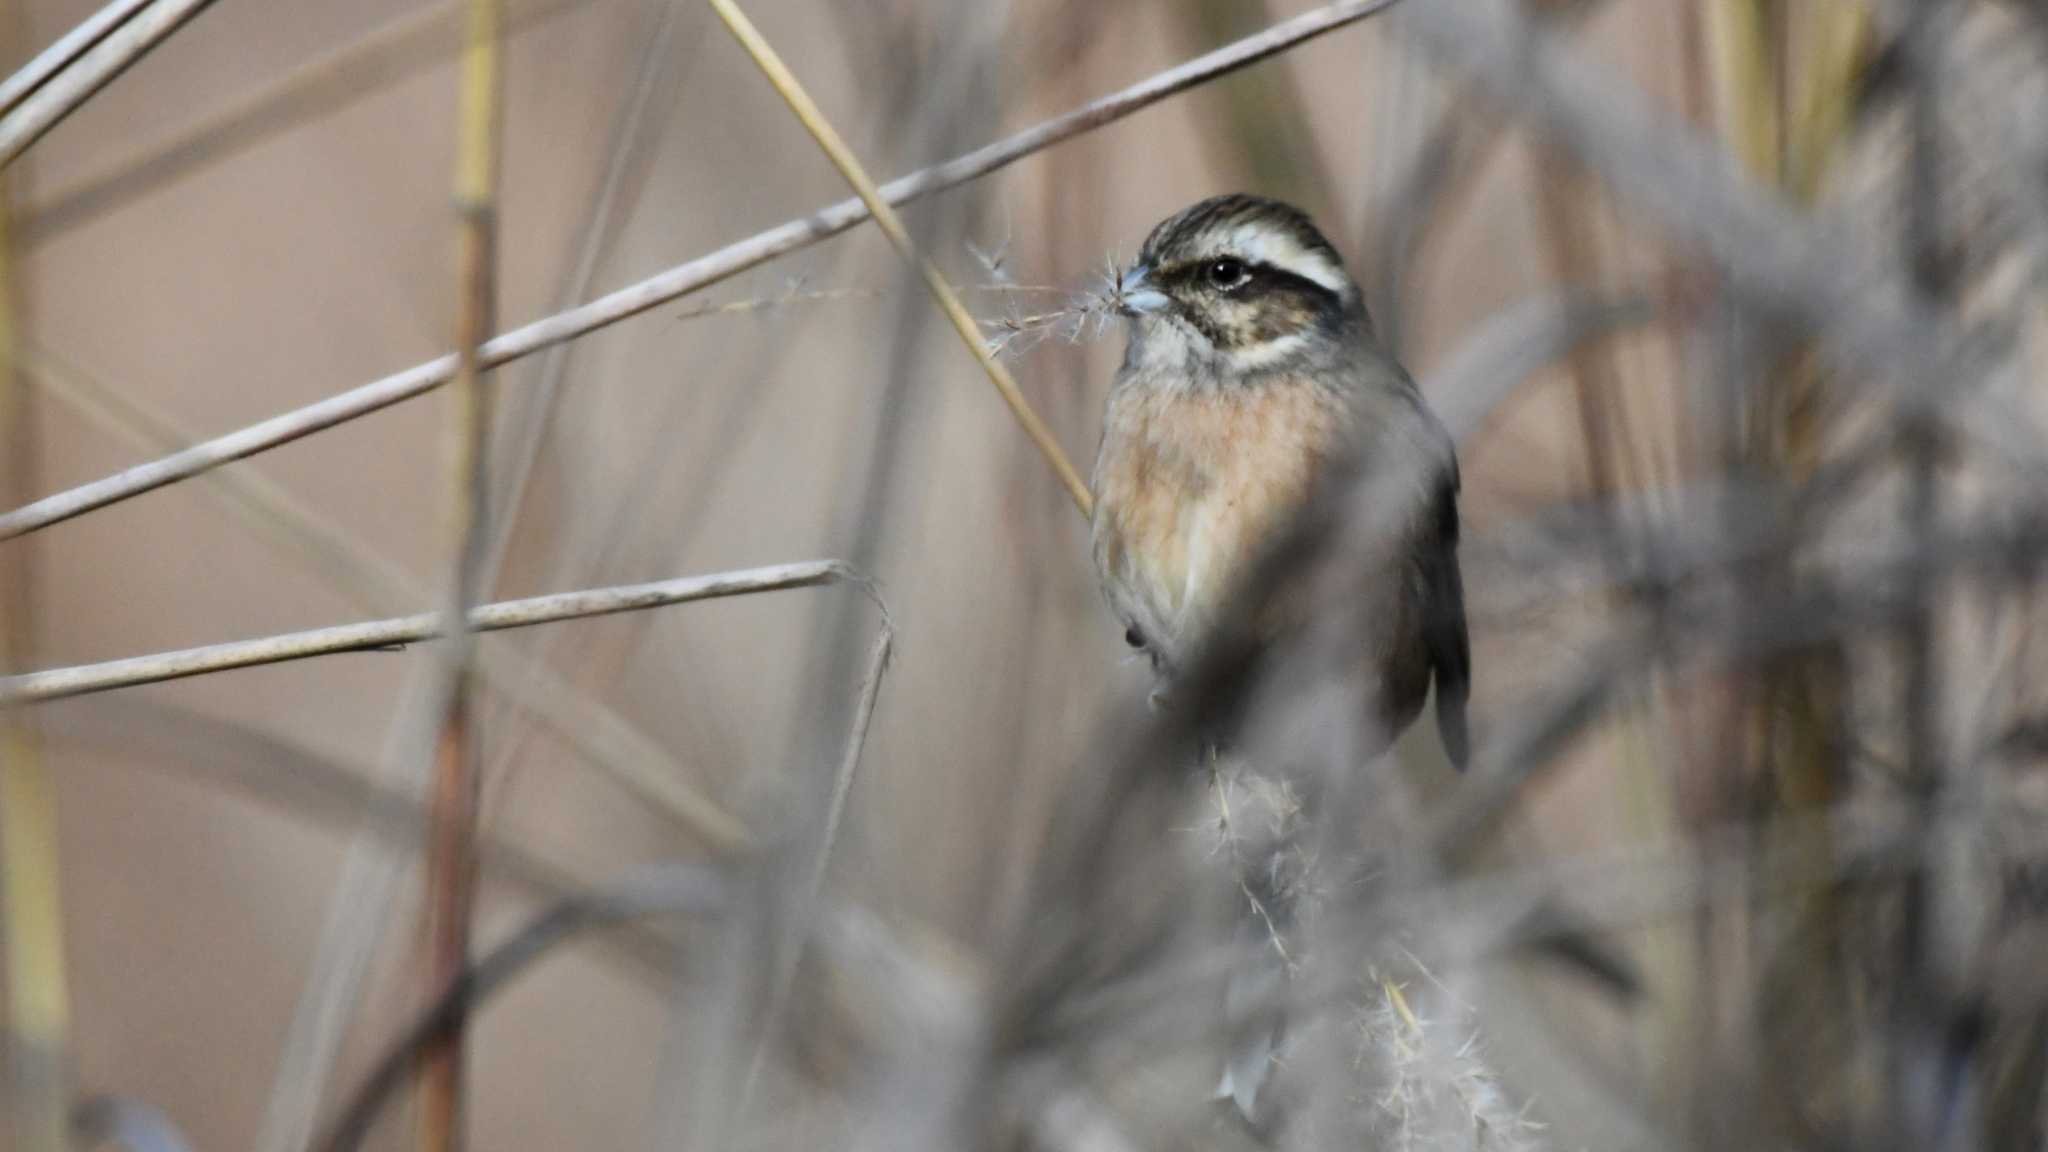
(1252, 374)
(1251, 382)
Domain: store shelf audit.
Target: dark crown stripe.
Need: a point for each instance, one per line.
(1183, 231)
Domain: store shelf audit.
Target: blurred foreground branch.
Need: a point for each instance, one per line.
(1881, 331)
(36, 1092)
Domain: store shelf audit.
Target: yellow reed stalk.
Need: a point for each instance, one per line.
(1795, 711)
(842, 157)
(37, 1100)
(1747, 91)
(1839, 32)
(451, 863)
(38, 998)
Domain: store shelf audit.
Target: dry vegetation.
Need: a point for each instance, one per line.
(1734, 306)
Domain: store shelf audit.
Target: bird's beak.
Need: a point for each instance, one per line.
(1133, 297)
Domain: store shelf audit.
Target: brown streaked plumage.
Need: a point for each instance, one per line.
(1251, 372)
(1251, 381)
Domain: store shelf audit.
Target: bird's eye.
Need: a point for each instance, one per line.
(1226, 273)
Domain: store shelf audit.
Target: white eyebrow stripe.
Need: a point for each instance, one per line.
(1279, 250)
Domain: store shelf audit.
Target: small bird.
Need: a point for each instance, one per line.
(1251, 373)
(1252, 376)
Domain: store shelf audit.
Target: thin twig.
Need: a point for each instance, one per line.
(67, 48)
(680, 280)
(806, 908)
(57, 683)
(353, 72)
(64, 92)
(637, 122)
(615, 192)
(587, 726)
(835, 149)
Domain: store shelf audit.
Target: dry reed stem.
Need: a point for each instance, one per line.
(78, 680)
(1263, 132)
(1827, 106)
(38, 1005)
(390, 53)
(1747, 89)
(1881, 334)
(38, 998)
(1571, 213)
(637, 121)
(681, 280)
(62, 94)
(451, 850)
(67, 48)
(807, 112)
(1571, 234)
(616, 191)
(661, 890)
(814, 885)
(589, 728)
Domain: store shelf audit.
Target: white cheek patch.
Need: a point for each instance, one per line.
(1168, 336)
(1278, 250)
(1269, 353)
(1166, 344)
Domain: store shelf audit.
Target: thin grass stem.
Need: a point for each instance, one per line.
(63, 93)
(384, 635)
(37, 1093)
(807, 112)
(66, 49)
(683, 279)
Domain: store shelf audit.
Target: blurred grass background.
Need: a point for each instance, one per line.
(317, 253)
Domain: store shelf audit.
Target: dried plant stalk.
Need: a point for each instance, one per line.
(67, 48)
(842, 157)
(38, 1007)
(682, 279)
(1841, 30)
(451, 853)
(63, 93)
(814, 885)
(390, 53)
(605, 739)
(57, 683)
(1748, 83)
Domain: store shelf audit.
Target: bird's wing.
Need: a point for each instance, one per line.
(1450, 654)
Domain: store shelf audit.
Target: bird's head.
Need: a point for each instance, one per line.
(1236, 286)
